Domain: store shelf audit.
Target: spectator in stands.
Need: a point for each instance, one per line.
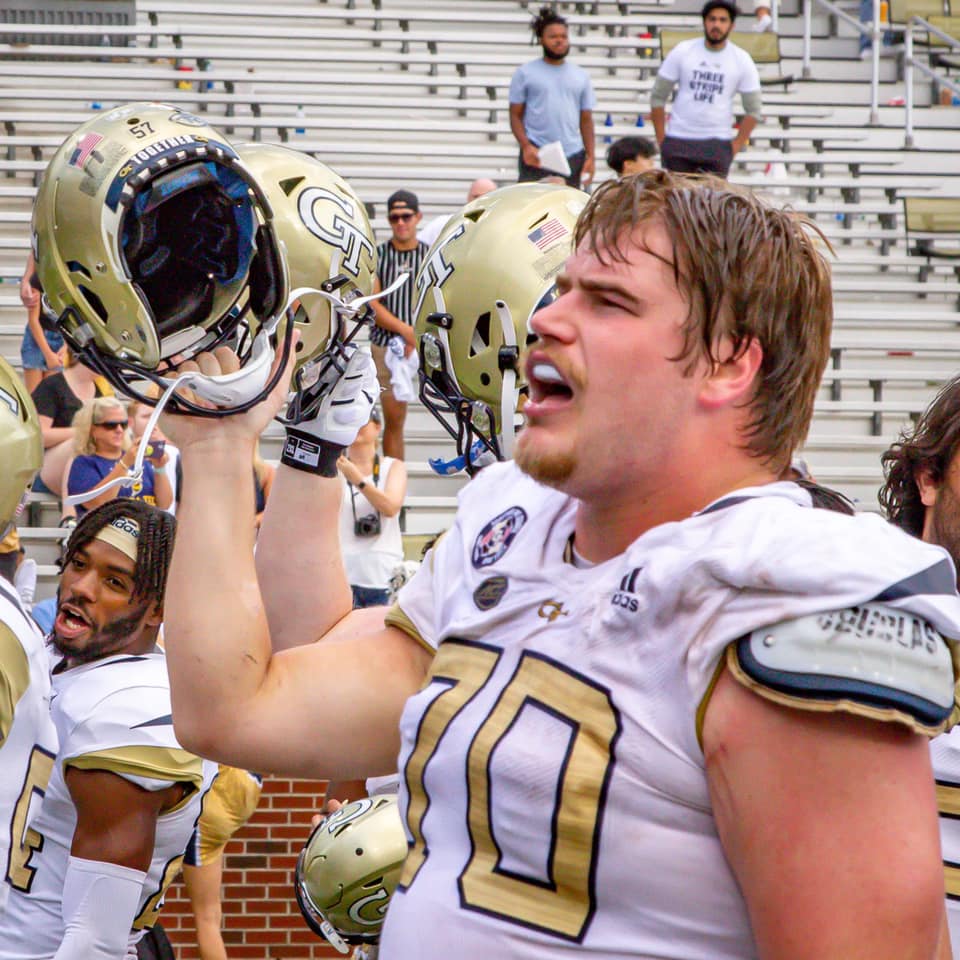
(370, 516)
(41, 345)
(763, 18)
(431, 231)
(921, 494)
(105, 452)
(631, 155)
(401, 255)
(888, 48)
(139, 414)
(708, 73)
(552, 100)
(58, 398)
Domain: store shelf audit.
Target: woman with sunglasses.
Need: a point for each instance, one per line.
(106, 451)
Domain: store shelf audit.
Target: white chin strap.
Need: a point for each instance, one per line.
(509, 392)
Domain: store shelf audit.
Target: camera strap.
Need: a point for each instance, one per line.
(353, 489)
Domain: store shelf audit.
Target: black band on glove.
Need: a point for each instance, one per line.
(305, 452)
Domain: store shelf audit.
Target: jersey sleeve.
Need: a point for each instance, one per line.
(130, 733)
(14, 678)
(414, 611)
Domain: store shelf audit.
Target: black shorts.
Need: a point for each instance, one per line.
(696, 156)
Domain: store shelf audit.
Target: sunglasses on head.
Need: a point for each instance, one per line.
(112, 424)
(397, 217)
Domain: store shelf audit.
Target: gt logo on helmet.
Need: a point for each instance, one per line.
(342, 233)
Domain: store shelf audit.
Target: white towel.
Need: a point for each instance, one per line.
(403, 370)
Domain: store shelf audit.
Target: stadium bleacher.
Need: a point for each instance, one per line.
(413, 93)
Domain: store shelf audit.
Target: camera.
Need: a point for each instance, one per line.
(367, 526)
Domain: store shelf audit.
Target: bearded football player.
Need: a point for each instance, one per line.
(123, 795)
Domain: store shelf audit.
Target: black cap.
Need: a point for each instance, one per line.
(727, 5)
(403, 198)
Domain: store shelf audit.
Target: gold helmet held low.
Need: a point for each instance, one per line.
(348, 871)
(153, 242)
(21, 445)
(492, 267)
(327, 239)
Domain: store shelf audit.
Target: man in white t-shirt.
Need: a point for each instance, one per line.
(707, 74)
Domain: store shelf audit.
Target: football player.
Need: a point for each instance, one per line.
(28, 739)
(123, 796)
(647, 700)
(921, 494)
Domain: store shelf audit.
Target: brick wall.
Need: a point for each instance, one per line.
(261, 919)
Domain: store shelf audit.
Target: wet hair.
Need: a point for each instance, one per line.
(931, 445)
(154, 544)
(546, 17)
(731, 8)
(748, 271)
(629, 148)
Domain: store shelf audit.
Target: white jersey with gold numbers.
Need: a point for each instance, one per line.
(28, 740)
(113, 715)
(552, 780)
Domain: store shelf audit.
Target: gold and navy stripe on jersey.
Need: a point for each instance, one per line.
(156, 763)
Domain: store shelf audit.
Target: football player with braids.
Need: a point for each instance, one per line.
(647, 699)
(109, 830)
(28, 739)
(921, 495)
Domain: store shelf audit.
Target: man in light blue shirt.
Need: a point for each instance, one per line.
(552, 100)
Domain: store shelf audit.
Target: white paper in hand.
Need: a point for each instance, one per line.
(553, 158)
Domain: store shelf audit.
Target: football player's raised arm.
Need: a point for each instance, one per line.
(829, 823)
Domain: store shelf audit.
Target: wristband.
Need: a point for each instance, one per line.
(305, 452)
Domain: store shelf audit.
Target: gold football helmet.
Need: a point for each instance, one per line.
(153, 242)
(21, 445)
(493, 265)
(327, 239)
(348, 871)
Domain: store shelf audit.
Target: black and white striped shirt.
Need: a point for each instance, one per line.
(391, 263)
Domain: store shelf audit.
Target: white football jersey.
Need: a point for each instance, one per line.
(28, 740)
(945, 756)
(114, 715)
(552, 780)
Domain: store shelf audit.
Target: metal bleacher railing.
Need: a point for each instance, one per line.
(911, 63)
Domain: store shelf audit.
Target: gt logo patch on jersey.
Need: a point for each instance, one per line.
(490, 592)
(333, 228)
(495, 538)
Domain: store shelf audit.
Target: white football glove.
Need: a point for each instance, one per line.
(315, 443)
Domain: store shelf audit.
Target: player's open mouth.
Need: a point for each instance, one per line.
(70, 622)
(549, 389)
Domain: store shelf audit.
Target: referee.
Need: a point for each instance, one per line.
(401, 254)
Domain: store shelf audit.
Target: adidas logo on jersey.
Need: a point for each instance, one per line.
(625, 596)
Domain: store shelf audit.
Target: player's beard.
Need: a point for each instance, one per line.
(714, 41)
(104, 640)
(555, 56)
(550, 469)
(945, 522)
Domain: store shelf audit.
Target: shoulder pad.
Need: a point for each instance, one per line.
(871, 660)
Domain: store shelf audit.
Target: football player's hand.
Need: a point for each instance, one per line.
(347, 402)
(183, 430)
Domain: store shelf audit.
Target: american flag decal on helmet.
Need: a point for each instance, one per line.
(85, 146)
(548, 233)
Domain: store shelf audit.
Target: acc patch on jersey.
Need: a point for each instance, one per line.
(495, 538)
(490, 592)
